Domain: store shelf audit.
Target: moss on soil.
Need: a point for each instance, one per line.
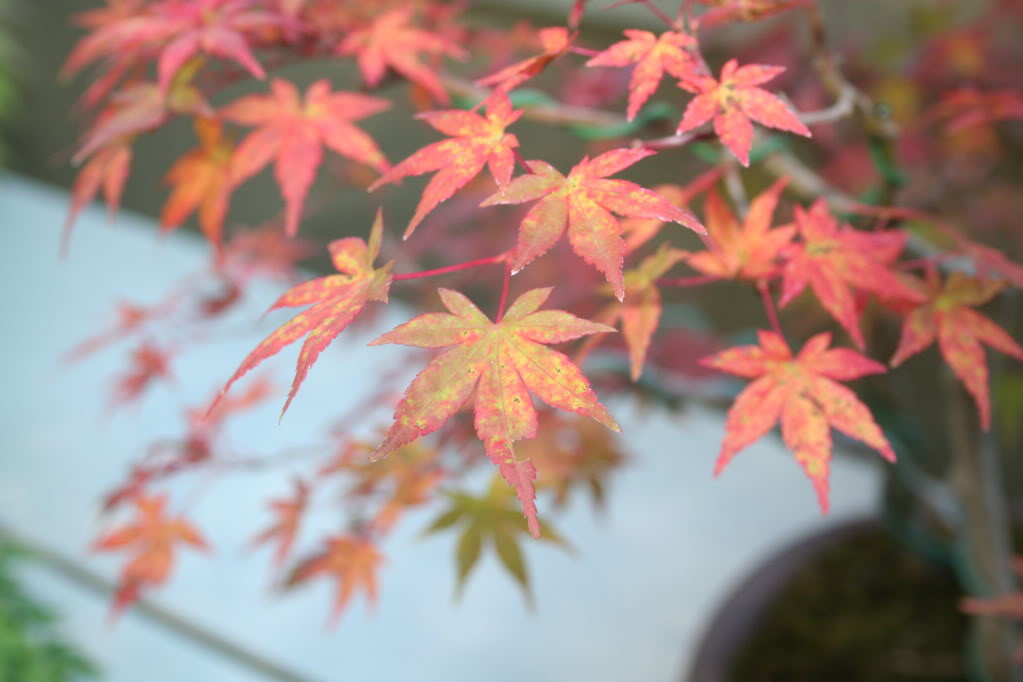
(865, 610)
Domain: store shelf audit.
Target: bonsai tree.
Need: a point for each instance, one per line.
(843, 206)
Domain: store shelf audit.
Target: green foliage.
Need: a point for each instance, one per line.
(7, 91)
(30, 649)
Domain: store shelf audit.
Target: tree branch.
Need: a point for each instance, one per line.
(206, 639)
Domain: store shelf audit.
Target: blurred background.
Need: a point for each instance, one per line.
(646, 592)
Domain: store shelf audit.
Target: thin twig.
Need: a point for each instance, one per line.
(772, 313)
(207, 639)
(452, 268)
(504, 291)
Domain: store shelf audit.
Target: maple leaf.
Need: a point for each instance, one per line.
(152, 537)
(491, 518)
(749, 251)
(554, 40)
(639, 231)
(947, 317)
(137, 108)
(130, 318)
(289, 516)
(263, 252)
(408, 478)
(293, 131)
(733, 101)
(200, 180)
(391, 41)
(476, 141)
(507, 359)
(833, 259)
(968, 107)
(177, 31)
(335, 301)
(570, 452)
(988, 259)
(107, 170)
(803, 393)
(353, 561)
(640, 313)
(148, 364)
(583, 202)
(653, 56)
(724, 11)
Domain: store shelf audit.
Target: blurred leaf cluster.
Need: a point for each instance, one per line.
(31, 649)
(6, 73)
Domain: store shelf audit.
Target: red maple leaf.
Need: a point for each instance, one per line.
(639, 231)
(177, 31)
(733, 101)
(201, 180)
(749, 251)
(583, 202)
(476, 141)
(137, 108)
(554, 40)
(107, 170)
(653, 56)
(724, 11)
(834, 259)
(293, 131)
(152, 538)
(289, 516)
(947, 317)
(352, 561)
(148, 364)
(507, 360)
(803, 393)
(335, 301)
(989, 260)
(968, 107)
(391, 41)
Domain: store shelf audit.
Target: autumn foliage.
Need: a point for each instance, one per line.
(787, 189)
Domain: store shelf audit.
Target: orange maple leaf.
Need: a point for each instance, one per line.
(554, 40)
(335, 300)
(293, 131)
(652, 56)
(352, 561)
(833, 259)
(200, 180)
(947, 318)
(391, 41)
(406, 479)
(803, 393)
(733, 101)
(640, 312)
(289, 516)
(152, 537)
(476, 141)
(507, 359)
(583, 202)
(573, 453)
(749, 251)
